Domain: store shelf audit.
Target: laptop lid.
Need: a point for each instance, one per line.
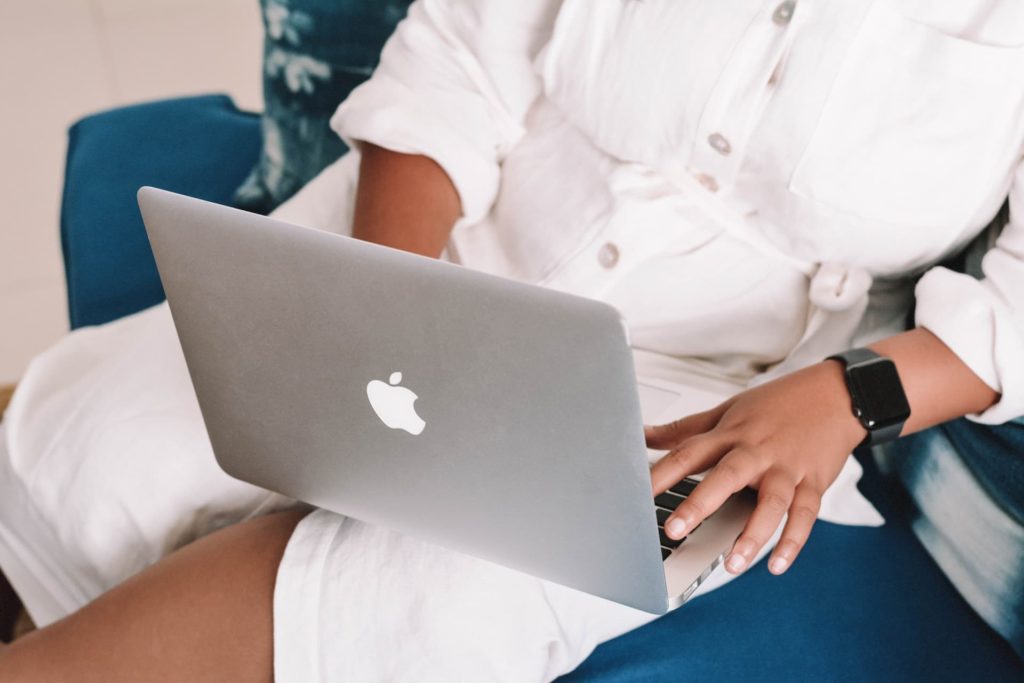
(492, 417)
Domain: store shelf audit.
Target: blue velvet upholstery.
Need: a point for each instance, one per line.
(860, 605)
(199, 146)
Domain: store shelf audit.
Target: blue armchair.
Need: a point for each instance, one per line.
(861, 604)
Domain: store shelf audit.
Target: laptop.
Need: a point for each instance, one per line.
(492, 417)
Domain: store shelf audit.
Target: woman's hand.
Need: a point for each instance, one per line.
(788, 439)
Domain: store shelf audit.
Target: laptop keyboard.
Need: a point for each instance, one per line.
(664, 504)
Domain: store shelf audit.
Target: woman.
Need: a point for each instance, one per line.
(755, 185)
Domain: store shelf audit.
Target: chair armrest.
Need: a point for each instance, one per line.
(201, 146)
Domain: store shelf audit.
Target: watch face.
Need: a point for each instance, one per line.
(878, 393)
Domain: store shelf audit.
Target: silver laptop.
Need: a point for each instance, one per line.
(492, 417)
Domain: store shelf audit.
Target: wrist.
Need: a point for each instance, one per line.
(836, 392)
(877, 397)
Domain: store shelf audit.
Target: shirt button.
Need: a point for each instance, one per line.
(784, 13)
(608, 255)
(719, 144)
(708, 182)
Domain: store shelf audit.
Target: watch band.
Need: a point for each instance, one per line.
(877, 434)
(882, 435)
(854, 356)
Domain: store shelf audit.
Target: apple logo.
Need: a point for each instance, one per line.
(394, 404)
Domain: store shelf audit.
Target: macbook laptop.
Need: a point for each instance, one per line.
(493, 417)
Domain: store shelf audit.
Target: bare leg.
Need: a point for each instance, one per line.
(204, 613)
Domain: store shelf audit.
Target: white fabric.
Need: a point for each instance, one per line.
(866, 139)
(105, 465)
(425, 615)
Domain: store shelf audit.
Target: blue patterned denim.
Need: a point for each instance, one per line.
(315, 52)
(969, 522)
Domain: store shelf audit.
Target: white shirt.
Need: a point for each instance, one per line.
(852, 144)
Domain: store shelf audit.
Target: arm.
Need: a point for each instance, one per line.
(454, 83)
(404, 201)
(940, 387)
(790, 437)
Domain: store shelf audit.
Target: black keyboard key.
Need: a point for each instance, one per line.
(665, 552)
(662, 515)
(669, 542)
(668, 500)
(685, 487)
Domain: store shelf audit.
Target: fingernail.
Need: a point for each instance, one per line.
(676, 527)
(778, 565)
(736, 563)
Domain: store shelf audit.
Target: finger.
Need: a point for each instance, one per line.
(774, 496)
(803, 513)
(734, 471)
(693, 455)
(665, 436)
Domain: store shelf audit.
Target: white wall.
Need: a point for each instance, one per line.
(60, 60)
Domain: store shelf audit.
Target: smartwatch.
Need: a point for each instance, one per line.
(876, 392)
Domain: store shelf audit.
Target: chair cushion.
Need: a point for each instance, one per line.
(200, 146)
(315, 52)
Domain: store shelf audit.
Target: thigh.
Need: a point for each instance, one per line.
(204, 613)
(348, 592)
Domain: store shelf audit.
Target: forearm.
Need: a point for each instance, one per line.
(790, 438)
(939, 386)
(404, 201)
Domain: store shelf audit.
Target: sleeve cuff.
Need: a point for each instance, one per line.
(387, 113)
(980, 329)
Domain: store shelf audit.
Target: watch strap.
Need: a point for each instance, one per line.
(884, 434)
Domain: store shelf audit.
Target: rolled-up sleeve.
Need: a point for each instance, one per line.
(454, 84)
(982, 321)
